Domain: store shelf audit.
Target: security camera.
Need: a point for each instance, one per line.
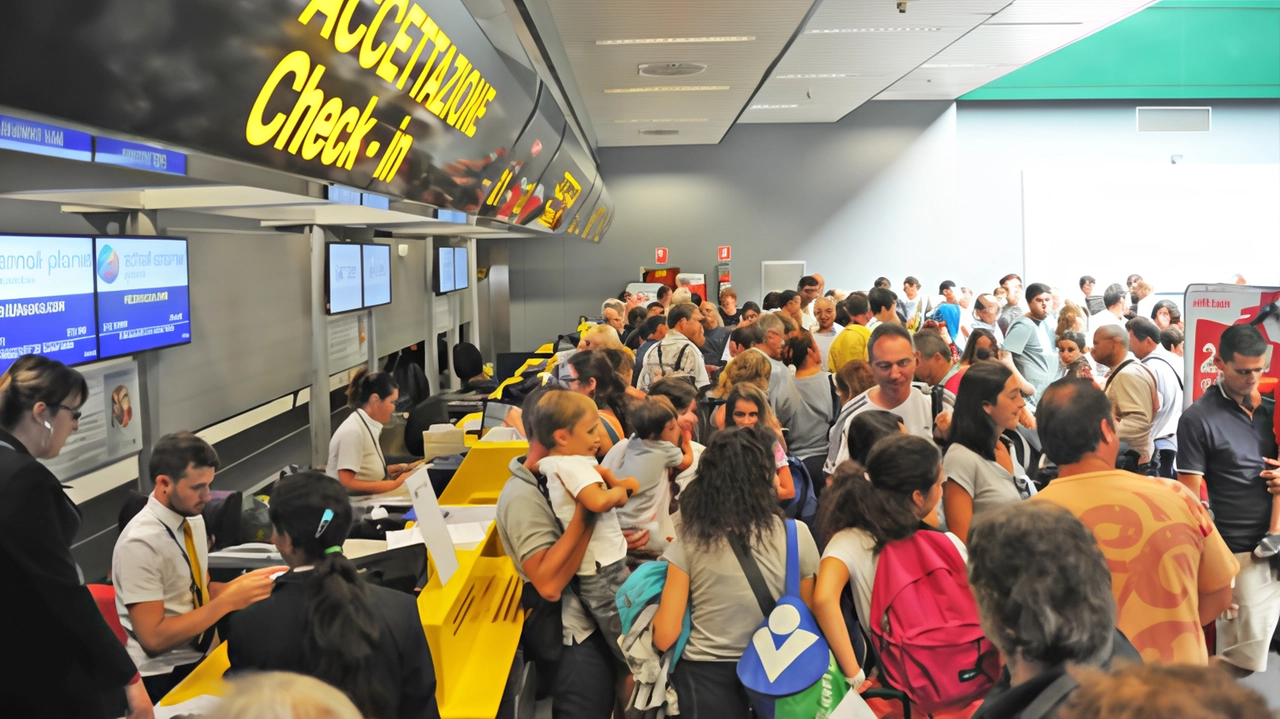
(902, 6)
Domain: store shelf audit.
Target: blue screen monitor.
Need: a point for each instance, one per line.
(46, 299)
(377, 275)
(444, 270)
(343, 287)
(461, 268)
(142, 294)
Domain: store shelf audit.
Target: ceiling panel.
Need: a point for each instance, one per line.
(619, 118)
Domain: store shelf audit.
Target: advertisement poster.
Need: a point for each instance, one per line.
(1207, 311)
(111, 423)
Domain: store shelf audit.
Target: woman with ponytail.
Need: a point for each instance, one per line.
(355, 454)
(323, 620)
(863, 510)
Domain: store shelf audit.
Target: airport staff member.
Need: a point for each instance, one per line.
(166, 603)
(355, 457)
(63, 658)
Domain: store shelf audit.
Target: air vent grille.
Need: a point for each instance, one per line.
(1175, 119)
(659, 132)
(671, 69)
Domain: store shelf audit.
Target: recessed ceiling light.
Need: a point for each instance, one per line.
(666, 88)
(936, 66)
(645, 122)
(675, 40)
(773, 107)
(660, 132)
(1027, 24)
(815, 76)
(844, 30)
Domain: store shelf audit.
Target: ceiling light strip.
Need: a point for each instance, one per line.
(683, 119)
(847, 30)
(773, 107)
(665, 88)
(677, 40)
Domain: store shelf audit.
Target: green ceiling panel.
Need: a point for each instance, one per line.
(1178, 49)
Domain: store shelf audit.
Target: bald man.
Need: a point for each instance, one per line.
(824, 311)
(1131, 387)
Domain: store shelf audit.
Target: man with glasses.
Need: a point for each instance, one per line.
(1171, 570)
(893, 364)
(160, 569)
(1226, 440)
(1131, 387)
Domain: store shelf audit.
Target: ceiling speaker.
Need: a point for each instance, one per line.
(671, 69)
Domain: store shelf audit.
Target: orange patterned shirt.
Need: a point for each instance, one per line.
(1159, 561)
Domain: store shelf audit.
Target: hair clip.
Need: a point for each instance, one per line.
(324, 522)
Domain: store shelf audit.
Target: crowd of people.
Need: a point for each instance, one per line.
(712, 489)
(822, 444)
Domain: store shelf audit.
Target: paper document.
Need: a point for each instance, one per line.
(468, 535)
(430, 523)
(204, 705)
(397, 538)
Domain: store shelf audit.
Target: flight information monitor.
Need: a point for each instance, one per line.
(444, 269)
(461, 268)
(343, 286)
(143, 302)
(377, 275)
(46, 299)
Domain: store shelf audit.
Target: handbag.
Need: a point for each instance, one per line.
(787, 669)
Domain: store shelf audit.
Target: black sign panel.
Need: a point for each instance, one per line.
(566, 182)
(514, 195)
(402, 97)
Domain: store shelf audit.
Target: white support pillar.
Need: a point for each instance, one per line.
(318, 408)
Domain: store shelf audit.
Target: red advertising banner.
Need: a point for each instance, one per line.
(1207, 311)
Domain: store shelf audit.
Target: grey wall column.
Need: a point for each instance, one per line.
(143, 222)
(318, 408)
(371, 340)
(429, 350)
(473, 336)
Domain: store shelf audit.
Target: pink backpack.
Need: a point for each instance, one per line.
(924, 624)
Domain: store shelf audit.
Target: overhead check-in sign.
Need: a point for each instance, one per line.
(42, 139)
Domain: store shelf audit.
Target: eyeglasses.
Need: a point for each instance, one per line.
(75, 413)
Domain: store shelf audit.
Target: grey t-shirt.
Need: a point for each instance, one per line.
(526, 526)
(815, 411)
(725, 611)
(647, 460)
(1033, 351)
(987, 482)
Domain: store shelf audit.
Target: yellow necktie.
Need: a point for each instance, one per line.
(197, 574)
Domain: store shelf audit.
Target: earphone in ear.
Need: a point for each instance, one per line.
(48, 426)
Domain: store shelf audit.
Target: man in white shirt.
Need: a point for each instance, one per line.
(1144, 341)
(893, 364)
(809, 288)
(1116, 298)
(824, 310)
(163, 595)
(884, 307)
(678, 353)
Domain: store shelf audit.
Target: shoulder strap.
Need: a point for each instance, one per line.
(1049, 697)
(835, 399)
(754, 577)
(1170, 366)
(679, 366)
(793, 560)
(1116, 372)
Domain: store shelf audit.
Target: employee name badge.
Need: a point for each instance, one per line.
(430, 523)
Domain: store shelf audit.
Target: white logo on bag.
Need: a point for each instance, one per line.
(783, 621)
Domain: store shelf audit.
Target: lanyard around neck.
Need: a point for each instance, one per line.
(376, 447)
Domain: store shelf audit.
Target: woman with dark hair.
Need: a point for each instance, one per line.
(324, 621)
(591, 373)
(355, 452)
(771, 301)
(789, 302)
(749, 314)
(1072, 358)
(983, 345)
(868, 428)
(1166, 314)
(748, 406)
(731, 506)
(982, 471)
(861, 512)
(817, 403)
(66, 660)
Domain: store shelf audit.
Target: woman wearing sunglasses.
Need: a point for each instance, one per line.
(71, 662)
(981, 465)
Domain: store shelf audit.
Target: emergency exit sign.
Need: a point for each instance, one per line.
(722, 253)
(660, 255)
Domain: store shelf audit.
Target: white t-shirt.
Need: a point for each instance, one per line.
(916, 413)
(856, 548)
(354, 446)
(824, 340)
(1165, 366)
(566, 476)
(1102, 319)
